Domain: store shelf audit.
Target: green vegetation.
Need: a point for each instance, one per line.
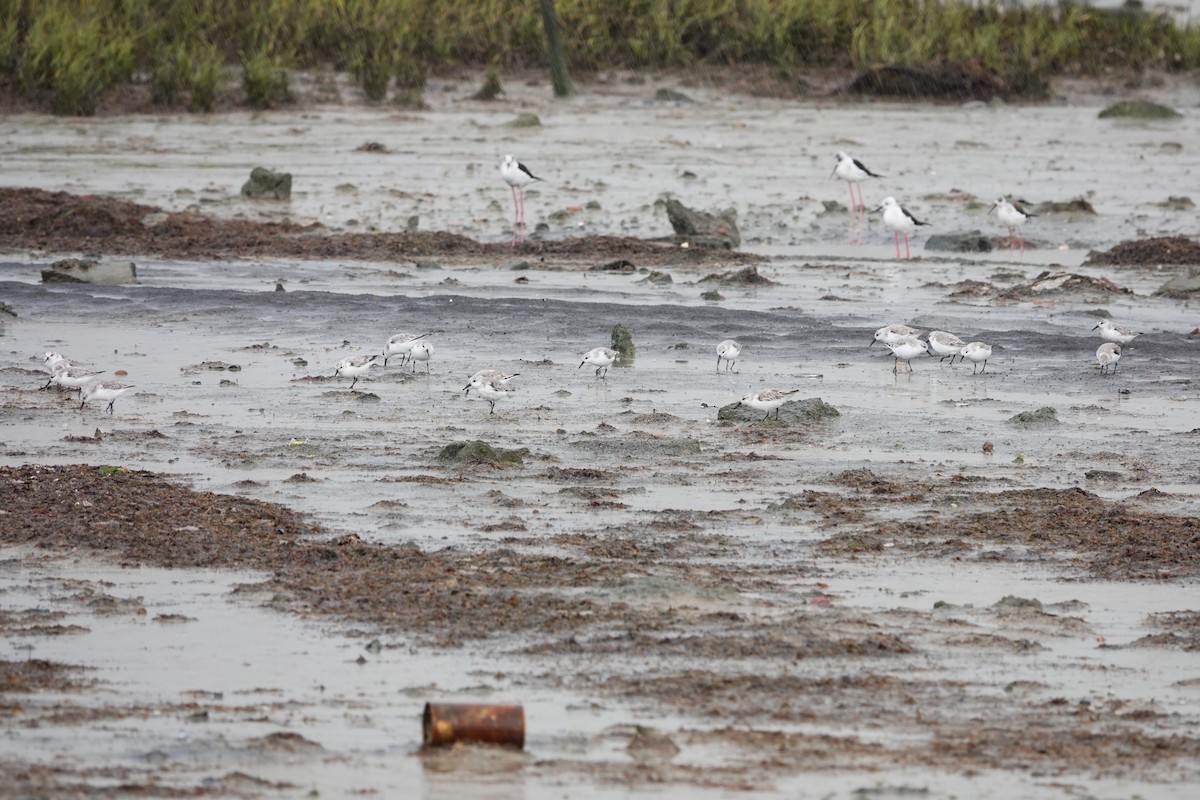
(68, 53)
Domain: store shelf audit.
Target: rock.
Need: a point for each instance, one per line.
(1183, 286)
(1177, 203)
(1011, 601)
(1077, 206)
(620, 265)
(265, 183)
(525, 120)
(478, 452)
(86, 270)
(969, 242)
(1060, 282)
(1163, 250)
(712, 295)
(372, 147)
(412, 224)
(746, 276)
(622, 340)
(672, 96)
(656, 277)
(1044, 417)
(793, 412)
(1102, 475)
(491, 88)
(970, 288)
(648, 747)
(701, 229)
(1139, 109)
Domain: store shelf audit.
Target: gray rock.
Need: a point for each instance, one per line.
(657, 277)
(701, 229)
(1139, 109)
(746, 276)
(265, 183)
(793, 412)
(1044, 417)
(672, 96)
(1183, 286)
(84, 270)
(969, 242)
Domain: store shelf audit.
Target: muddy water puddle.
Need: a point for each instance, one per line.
(745, 623)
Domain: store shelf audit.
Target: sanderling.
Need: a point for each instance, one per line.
(893, 333)
(976, 353)
(354, 367)
(400, 345)
(728, 351)
(853, 172)
(103, 391)
(946, 345)
(1112, 332)
(906, 350)
(421, 351)
(1108, 354)
(1013, 216)
(492, 391)
(768, 400)
(601, 358)
(517, 176)
(487, 376)
(896, 217)
(72, 377)
(51, 359)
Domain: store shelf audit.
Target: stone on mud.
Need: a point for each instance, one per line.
(1183, 286)
(268, 184)
(1139, 109)
(86, 270)
(793, 412)
(948, 81)
(622, 342)
(1061, 282)
(1077, 206)
(969, 242)
(478, 452)
(1159, 251)
(746, 276)
(702, 229)
(1044, 417)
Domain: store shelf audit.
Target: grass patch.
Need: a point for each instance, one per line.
(69, 53)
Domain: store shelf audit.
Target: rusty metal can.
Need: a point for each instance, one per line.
(447, 723)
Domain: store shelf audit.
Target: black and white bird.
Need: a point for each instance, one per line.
(853, 172)
(767, 400)
(517, 176)
(354, 367)
(896, 217)
(728, 351)
(1013, 216)
(1107, 355)
(601, 358)
(103, 391)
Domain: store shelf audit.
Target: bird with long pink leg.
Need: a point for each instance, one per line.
(517, 176)
(896, 217)
(1013, 216)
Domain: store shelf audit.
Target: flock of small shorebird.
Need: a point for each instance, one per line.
(492, 385)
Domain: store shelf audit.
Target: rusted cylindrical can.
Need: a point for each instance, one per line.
(447, 723)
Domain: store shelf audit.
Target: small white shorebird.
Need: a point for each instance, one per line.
(767, 400)
(421, 351)
(906, 350)
(72, 377)
(52, 361)
(103, 391)
(494, 376)
(896, 217)
(1013, 216)
(893, 333)
(601, 358)
(354, 367)
(1112, 332)
(492, 391)
(728, 351)
(853, 172)
(977, 353)
(517, 176)
(946, 345)
(400, 345)
(1107, 355)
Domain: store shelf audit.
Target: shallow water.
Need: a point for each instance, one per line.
(262, 424)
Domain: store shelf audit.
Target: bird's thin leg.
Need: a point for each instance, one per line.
(513, 189)
(896, 237)
(352, 384)
(895, 365)
(907, 255)
(1021, 237)
(110, 405)
(521, 196)
(718, 363)
(909, 362)
(81, 404)
(493, 402)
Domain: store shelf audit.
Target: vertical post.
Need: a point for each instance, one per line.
(559, 77)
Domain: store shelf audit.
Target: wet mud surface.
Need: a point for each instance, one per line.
(248, 579)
